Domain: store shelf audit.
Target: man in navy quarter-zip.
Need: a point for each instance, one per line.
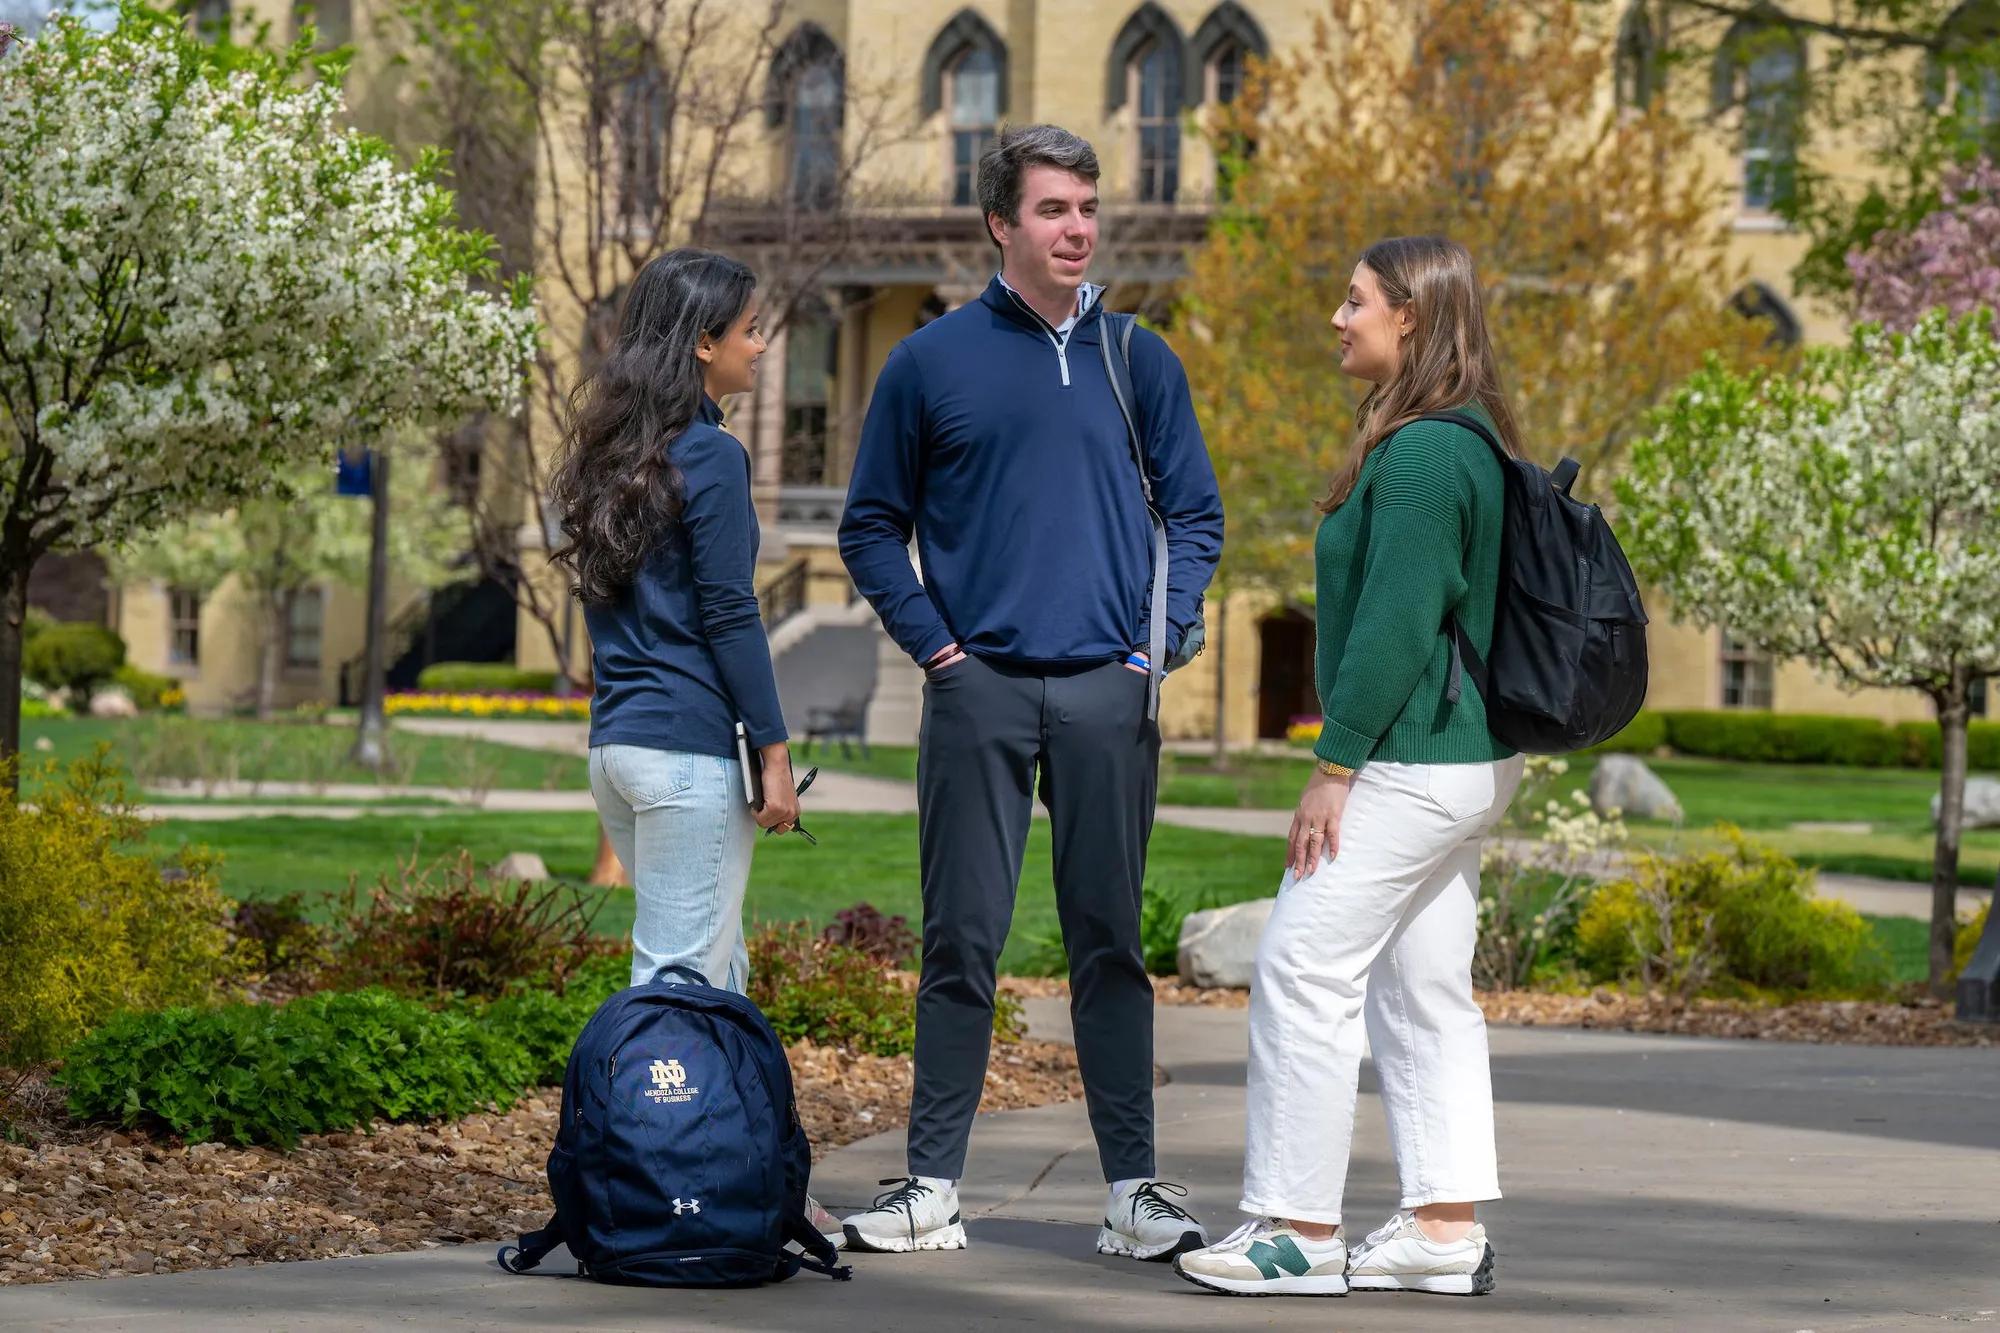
(995, 437)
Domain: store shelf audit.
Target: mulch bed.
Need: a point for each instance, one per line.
(86, 1203)
(1916, 1022)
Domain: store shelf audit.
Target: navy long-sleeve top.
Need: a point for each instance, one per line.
(680, 655)
(996, 440)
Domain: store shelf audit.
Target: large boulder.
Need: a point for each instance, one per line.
(1982, 803)
(520, 865)
(1623, 783)
(1219, 947)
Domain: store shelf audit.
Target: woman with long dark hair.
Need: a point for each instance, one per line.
(1377, 912)
(662, 539)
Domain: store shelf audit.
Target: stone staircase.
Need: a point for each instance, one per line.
(825, 655)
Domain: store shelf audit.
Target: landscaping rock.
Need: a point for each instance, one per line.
(113, 703)
(1982, 803)
(1219, 947)
(521, 865)
(1622, 782)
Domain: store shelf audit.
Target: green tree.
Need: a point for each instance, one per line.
(1847, 514)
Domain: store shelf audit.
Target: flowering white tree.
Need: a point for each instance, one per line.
(1848, 514)
(208, 280)
(276, 546)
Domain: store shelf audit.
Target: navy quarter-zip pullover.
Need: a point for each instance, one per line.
(999, 445)
(680, 656)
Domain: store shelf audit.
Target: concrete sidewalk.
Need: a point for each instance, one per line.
(1658, 1183)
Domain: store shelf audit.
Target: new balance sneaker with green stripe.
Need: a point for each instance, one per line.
(1398, 1256)
(915, 1214)
(1143, 1222)
(1267, 1258)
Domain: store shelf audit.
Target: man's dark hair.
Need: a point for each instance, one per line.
(1006, 163)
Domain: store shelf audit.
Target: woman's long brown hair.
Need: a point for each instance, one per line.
(1448, 361)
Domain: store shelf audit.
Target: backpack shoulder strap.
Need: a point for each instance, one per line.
(1118, 370)
(820, 1256)
(1465, 659)
(527, 1253)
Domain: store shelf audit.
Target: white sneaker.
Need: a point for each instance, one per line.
(1143, 1223)
(1267, 1258)
(912, 1216)
(825, 1223)
(1398, 1256)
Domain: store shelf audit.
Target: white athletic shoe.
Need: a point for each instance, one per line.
(1143, 1223)
(825, 1223)
(1267, 1258)
(912, 1216)
(1398, 1256)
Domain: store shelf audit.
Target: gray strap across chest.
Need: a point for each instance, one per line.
(1156, 639)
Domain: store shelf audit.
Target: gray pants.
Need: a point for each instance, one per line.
(987, 729)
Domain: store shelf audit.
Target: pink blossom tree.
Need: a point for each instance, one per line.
(1951, 259)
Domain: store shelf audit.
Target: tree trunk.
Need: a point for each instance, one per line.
(609, 872)
(1221, 683)
(13, 617)
(275, 627)
(371, 740)
(1952, 713)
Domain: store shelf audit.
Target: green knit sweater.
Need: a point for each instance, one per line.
(1419, 538)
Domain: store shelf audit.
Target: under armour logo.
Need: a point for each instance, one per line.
(690, 1206)
(668, 1074)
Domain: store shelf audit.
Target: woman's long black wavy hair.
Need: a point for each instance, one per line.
(614, 487)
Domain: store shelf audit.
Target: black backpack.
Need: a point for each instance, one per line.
(1568, 664)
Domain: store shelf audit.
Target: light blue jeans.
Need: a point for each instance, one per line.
(680, 825)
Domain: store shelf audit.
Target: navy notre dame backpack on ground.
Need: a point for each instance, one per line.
(1567, 668)
(680, 1160)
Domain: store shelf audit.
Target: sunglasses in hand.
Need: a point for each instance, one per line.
(799, 824)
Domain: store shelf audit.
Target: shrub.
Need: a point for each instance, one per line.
(813, 989)
(149, 693)
(1726, 922)
(1162, 912)
(1529, 892)
(1645, 733)
(77, 656)
(887, 939)
(1785, 738)
(483, 678)
(1922, 745)
(267, 1074)
(32, 709)
(443, 929)
(1967, 940)
(90, 928)
(33, 622)
(276, 941)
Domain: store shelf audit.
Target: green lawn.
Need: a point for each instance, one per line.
(160, 748)
(871, 858)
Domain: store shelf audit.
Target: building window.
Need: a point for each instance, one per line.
(641, 132)
(1965, 71)
(1225, 73)
(183, 627)
(810, 348)
(211, 19)
(975, 112)
(1156, 100)
(1221, 48)
(1763, 67)
(815, 172)
(1746, 675)
(305, 615)
(1637, 59)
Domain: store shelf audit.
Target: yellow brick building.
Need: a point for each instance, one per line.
(1137, 80)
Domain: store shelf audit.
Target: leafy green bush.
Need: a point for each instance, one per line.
(277, 941)
(1730, 922)
(1644, 734)
(149, 692)
(813, 989)
(1801, 738)
(89, 928)
(483, 678)
(33, 623)
(444, 929)
(1161, 914)
(74, 656)
(32, 709)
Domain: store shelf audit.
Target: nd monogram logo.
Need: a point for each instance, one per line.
(669, 1074)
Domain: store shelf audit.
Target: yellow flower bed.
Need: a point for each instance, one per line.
(1303, 733)
(490, 705)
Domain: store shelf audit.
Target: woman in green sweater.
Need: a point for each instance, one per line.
(1377, 913)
